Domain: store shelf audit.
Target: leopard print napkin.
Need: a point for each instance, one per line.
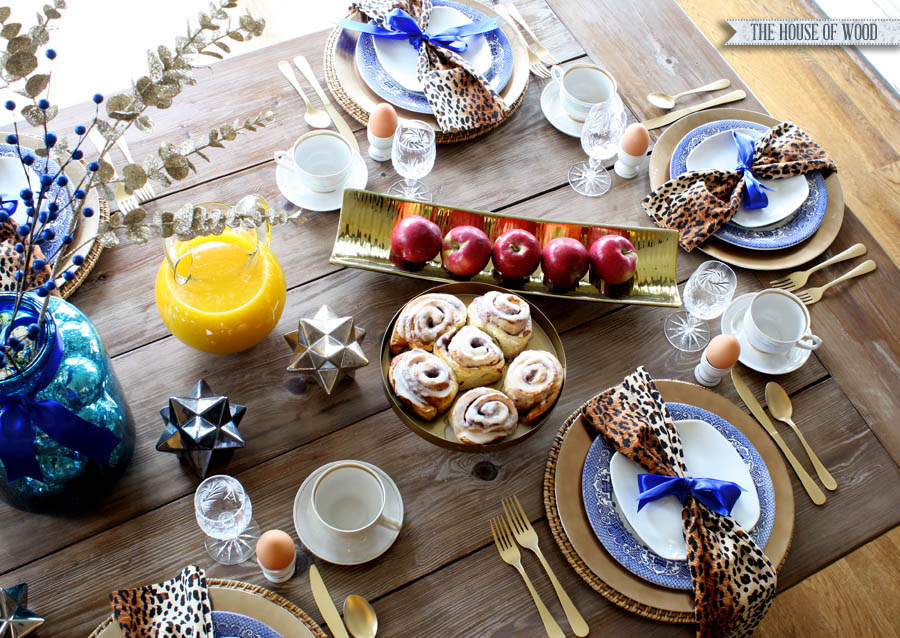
(13, 261)
(733, 581)
(460, 97)
(698, 203)
(177, 608)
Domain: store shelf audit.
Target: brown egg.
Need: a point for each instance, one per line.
(383, 120)
(635, 140)
(723, 351)
(275, 550)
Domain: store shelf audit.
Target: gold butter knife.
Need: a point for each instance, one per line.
(668, 118)
(325, 604)
(814, 491)
(342, 127)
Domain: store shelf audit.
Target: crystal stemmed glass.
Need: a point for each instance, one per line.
(413, 158)
(706, 296)
(600, 135)
(225, 515)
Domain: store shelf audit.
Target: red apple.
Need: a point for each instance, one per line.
(516, 253)
(416, 240)
(564, 261)
(466, 252)
(613, 260)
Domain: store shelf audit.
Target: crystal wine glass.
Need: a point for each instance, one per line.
(600, 135)
(413, 158)
(706, 296)
(225, 515)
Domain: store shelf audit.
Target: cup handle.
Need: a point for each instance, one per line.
(556, 72)
(809, 342)
(388, 522)
(282, 158)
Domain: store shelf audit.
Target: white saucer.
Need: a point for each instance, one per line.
(732, 322)
(325, 545)
(301, 196)
(555, 114)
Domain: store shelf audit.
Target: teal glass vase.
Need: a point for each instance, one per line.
(66, 434)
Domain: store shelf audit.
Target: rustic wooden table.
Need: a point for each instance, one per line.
(443, 577)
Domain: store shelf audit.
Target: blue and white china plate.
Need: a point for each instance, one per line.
(797, 228)
(227, 624)
(392, 89)
(623, 545)
(12, 181)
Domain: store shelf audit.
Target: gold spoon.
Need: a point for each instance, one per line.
(781, 408)
(359, 617)
(316, 118)
(666, 101)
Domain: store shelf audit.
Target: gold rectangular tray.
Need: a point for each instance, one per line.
(367, 219)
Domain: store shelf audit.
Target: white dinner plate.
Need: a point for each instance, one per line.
(720, 152)
(333, 548)
(707, 454)
(399, 58)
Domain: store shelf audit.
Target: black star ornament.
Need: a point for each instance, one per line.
(16, 620)
(326, 348)
(200, 424)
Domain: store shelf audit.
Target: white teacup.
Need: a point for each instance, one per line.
(348, 498)
(321, 160)
(777, 321)
(581, 86)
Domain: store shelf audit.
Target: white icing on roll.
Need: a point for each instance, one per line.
(419, 376)
(426, 318)
(483, 415)
(507, 311)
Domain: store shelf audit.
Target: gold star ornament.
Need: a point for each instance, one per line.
(326, 348)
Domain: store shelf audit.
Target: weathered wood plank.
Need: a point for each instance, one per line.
(437, 530)
(284, 414)
(244, 85)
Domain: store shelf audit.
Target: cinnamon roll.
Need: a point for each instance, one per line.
(504, 316)
(483, 415)
(472, 355)
(533, 381)
(423, 382)
(426, 318)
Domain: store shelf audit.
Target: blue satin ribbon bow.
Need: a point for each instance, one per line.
(403, 26)
(719, 496)
(754, 197)
(8, 204)
(22, 414)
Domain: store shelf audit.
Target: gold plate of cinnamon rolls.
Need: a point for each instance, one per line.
(472, 366)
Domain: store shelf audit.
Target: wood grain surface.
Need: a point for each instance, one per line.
(443, 576)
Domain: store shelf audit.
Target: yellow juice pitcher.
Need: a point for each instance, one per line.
(221, 293)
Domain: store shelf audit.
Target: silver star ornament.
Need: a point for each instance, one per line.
(326, 348)
(16, 620)
(200, 424)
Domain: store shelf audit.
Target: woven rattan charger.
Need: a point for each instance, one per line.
(357, 99)
(660, 603)
(272, 597)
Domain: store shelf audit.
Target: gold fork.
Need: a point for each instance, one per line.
(797, 280)
(510, 555)
(542, 52)
(535, 64)
(812, 295)
(527, 538)
(145, 192)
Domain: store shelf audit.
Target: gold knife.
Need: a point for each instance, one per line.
(815, 493)
(668, 118)
(325, 604)
(342, 127)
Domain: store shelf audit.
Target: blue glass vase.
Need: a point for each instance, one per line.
(66, 434)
